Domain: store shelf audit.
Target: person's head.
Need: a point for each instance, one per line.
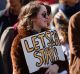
(34, 16)
(15, 5)
(69, 2)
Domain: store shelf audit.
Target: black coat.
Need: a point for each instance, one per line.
(6, 20)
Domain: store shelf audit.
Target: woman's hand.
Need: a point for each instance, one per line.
(53, 69)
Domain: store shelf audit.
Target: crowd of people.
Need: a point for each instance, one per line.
(24, 18)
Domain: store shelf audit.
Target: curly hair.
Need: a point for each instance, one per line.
(28, 12)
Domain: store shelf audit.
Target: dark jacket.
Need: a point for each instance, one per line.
(6, 20)
(69, 10)
(18, 58)
(3, 4)
(74, 42)
(1, 65)
(5, 43)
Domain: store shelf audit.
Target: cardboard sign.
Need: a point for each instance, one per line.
(42, 49)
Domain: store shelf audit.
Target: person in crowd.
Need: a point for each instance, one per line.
(10, 32)
(33, 21)
(7, 38)
(74, 43)
(61, 25)
(69, 7)
(61, 21)
(3, 4)
(10, 16)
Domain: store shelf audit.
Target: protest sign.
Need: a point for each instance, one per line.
(42, 49)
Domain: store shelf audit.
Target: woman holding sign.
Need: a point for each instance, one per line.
(34, 20)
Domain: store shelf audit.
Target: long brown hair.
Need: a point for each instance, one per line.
(28, 12)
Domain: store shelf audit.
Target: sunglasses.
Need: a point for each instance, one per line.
(44, 15)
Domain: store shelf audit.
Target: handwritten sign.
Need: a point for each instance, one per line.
(42, 49)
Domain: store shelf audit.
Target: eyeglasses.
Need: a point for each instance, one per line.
(44, 15)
